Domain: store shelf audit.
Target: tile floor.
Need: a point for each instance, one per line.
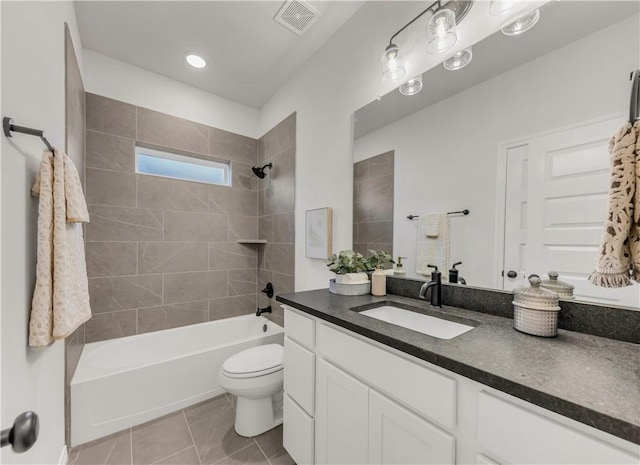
(199, 435)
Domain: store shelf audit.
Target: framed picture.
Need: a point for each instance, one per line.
(318, 233)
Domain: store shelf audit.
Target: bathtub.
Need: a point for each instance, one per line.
(124, 382)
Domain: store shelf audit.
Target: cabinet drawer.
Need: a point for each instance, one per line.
(422, 390)
(299, 328)
(299, 374)
(297, 433)
(515, 435)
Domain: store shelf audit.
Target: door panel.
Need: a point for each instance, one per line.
(563, 197)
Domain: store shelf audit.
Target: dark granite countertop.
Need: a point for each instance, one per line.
(590, 379)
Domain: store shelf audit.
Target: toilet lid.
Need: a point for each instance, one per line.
(255, 361)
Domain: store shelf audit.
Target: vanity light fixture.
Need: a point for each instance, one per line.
(412, 86)
(392, 64)
(195, 60)
(441, 35)
(522, 24)
(501, 7)
(458, 60)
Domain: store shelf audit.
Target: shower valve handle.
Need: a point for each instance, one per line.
(268, 290)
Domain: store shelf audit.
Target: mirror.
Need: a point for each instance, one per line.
(519, 137)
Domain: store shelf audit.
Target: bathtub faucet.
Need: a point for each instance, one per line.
(263, 310)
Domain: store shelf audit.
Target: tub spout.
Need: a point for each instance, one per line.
(263, 310)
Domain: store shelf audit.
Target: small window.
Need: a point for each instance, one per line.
(187, 168)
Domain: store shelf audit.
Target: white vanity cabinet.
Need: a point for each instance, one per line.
(350, 400)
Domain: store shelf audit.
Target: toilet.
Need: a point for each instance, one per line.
(255, 376)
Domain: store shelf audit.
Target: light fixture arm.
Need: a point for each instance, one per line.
(437, 4)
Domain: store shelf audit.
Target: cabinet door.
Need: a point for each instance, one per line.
(398, 436)
(342, 417)
(299, 374)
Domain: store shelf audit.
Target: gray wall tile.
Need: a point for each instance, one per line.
(187, 226)
(164, 257)
(229, 255)
(280, 257)
(111, 325)
(106, 151)
(281, 195)
(124, 224)
(242, 282)
(282, 283)
(265, 228)
(282, 137)
(121, 293)
(172, 316)
(228, 307)
(113, 188)
(199, 285)
(110, 116)
(242, 227)
(111, 258)
(373, 186)
(232, 201)
(242, 176)
(230, 146)
(171, 194)
(284, 227)
(170, 131)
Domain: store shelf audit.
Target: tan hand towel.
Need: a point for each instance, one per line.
(61, 296)
(432, 250)
(433, 224)
(634, 236)
(615, 264)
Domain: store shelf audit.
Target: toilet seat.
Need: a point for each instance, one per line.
(254, 362)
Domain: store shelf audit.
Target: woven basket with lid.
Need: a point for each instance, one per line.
(564, 290)
(535, 309)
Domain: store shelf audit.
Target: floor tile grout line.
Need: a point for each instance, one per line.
(175, 453)
(191, 436)
(227, 456)
(262, 451)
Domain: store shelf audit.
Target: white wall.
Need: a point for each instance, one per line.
(341, 77)
(446, 154)
(33, 93)
(121, 81)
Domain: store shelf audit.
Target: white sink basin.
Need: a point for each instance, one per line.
(425, 324)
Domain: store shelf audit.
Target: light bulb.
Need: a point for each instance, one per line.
(441, 31)
(522, 24)
(195, 60)
(459, 60)
(392, 64)
(412, 86)
(501, 7)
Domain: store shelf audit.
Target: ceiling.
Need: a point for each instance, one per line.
(560, 24)
(249, 55)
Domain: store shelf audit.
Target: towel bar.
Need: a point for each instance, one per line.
(8, 127)
(461, 212)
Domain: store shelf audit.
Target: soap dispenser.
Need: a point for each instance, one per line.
(453, 273)
(399, 271)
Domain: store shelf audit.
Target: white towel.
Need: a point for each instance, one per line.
(432, 250)
(61, 296)
(432, 228)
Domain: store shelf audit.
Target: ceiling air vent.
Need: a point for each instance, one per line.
(297, 16)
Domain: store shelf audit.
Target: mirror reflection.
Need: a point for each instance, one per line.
(519, 137)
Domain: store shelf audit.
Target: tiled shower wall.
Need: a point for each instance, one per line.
(162, 253)
(373, 204)
(74, 116)
(276, 224)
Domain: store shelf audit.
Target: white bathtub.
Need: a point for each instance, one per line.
(124, 382)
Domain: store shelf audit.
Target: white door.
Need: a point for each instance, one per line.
(557, 197)
(342, 420)
(398, 436)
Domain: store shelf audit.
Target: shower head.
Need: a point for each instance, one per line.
(259, 171)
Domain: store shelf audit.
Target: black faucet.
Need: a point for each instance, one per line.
(436, 288)
(263, 310)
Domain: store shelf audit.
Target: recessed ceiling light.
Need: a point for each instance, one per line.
(195, 60)
(522, 24)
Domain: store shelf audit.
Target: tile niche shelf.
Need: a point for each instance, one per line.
(251, 241)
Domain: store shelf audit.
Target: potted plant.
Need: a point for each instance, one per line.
(350, 267)
(375, 262)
